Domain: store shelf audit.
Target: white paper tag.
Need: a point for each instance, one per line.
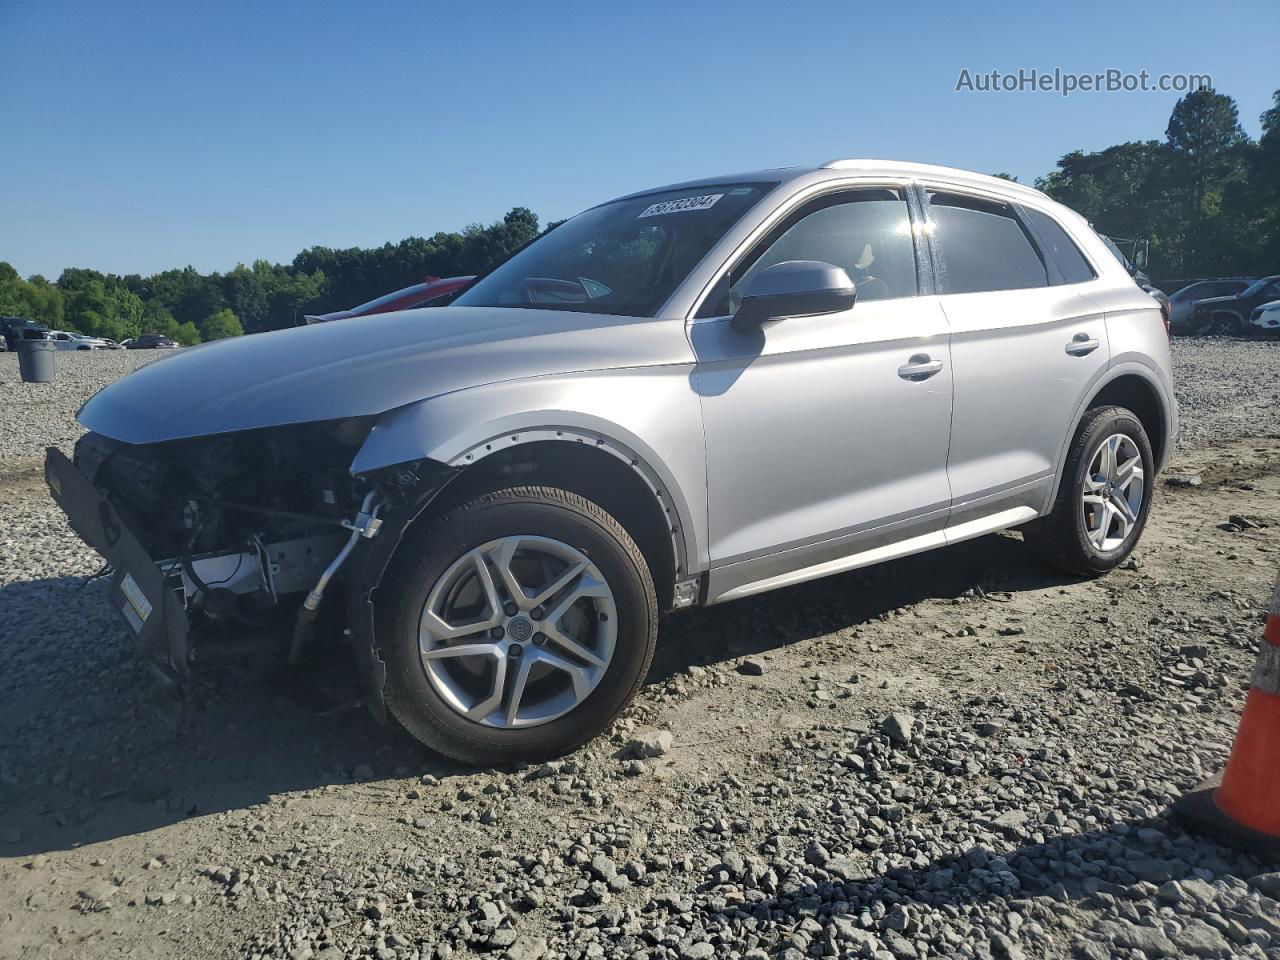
(137, 599)
(680, 206)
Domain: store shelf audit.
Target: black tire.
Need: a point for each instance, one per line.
(533, 511)
(1059, 537)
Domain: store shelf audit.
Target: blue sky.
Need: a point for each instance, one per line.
(142, 136)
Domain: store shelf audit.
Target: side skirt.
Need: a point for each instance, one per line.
(890, 551)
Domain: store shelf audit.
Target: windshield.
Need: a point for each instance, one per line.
(623, 258)
(1258, 287)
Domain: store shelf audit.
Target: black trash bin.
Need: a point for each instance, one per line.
(35, 357)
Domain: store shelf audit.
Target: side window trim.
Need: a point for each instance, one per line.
(801, 209)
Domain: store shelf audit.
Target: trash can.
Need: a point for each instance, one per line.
(35, 358)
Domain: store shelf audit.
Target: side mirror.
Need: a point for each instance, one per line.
(1141, 253)
(794, 288)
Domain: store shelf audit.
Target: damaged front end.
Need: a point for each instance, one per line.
(254, 528)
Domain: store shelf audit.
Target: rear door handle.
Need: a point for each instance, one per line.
(1082, 345)
(919, 367)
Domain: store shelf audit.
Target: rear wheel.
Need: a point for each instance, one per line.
(524, 624)
(1104, 496)
(1225, 325)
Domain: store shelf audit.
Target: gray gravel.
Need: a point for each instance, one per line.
(38, 415)
(1227, 389)
(953, 755)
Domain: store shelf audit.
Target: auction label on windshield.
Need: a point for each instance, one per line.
(680, 206)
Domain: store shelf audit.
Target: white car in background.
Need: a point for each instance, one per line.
(1266, 318)
(77, 341)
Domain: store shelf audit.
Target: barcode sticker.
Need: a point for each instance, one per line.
(680, 206)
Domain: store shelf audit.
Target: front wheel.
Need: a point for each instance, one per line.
(518, 627)
(1104, 496)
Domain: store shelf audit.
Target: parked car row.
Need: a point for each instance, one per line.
(1227, 306)
(13, 329)
(1233, 313)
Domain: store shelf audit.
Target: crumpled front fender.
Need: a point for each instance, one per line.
(648, 417)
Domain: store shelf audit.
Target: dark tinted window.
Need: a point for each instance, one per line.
(1071, 262)
(983, 246)
(866, 232)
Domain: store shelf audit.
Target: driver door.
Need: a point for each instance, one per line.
(826, 436)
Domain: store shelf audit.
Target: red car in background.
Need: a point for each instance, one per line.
(419, 295)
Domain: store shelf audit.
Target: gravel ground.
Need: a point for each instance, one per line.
(956, 754)
(38, 415)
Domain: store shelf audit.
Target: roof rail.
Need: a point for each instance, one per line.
(926, 170)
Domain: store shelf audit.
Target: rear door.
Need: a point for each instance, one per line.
(1025, 348)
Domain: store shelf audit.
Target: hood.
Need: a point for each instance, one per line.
(366, 365)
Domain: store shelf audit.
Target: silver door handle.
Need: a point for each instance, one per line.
(919, 367)
(1082, 344)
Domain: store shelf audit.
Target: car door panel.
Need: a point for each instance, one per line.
(838, 445)
(1023, 359)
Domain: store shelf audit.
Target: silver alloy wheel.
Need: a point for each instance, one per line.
(1112, 492)
(518, 632)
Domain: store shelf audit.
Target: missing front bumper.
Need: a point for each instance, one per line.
(139, 591)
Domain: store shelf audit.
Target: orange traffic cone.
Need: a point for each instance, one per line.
(1241, 807)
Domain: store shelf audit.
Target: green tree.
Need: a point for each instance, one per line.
(186, 334)
(221, 325)
(1208, 150)
(1264, 189)
(34, 298)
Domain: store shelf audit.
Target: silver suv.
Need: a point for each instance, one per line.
(681, 397)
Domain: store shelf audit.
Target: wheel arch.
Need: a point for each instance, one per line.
(1135, 388)
(593, 466)
(594, 457)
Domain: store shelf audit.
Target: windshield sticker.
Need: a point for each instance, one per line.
(680, 206)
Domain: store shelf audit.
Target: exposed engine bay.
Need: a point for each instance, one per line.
(240, 520)
(251, 527)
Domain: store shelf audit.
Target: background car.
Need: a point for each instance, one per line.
(1182, 301)
(1226, 315)
(151, 341)
(65, 340)
(1266, 318)
(14, 329)
(434, 292)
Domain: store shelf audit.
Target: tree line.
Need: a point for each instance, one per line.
(190, 306)
(1207, 197)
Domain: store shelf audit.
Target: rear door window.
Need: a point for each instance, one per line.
(983, 246)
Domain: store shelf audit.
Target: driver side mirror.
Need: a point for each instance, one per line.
(794, 288)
